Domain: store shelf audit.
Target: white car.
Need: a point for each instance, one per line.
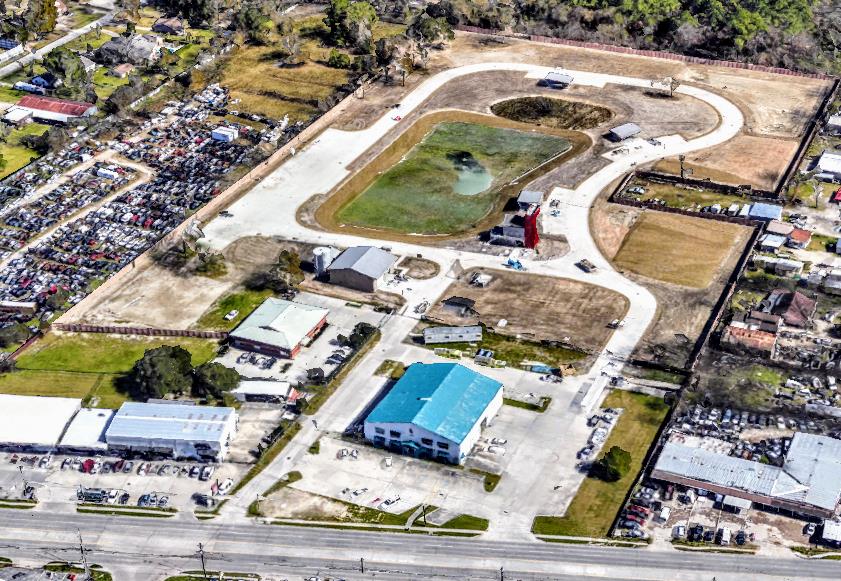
(226, 486)
(231, 315)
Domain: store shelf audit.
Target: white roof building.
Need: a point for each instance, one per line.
(279, 327)
(175, 429)
(33, 422)
(261, 390)
(829, 166)
(86, 432)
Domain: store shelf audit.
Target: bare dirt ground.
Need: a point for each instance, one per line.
(538, 307)
(736, 162)
(161, 297)
(331, 290)
(289, 502)
(419, 268)
(682, 311)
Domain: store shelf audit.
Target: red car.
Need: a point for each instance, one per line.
(87, 466)
(635, 518)
(639, 509)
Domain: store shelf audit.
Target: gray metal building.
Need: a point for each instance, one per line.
(624, 131)
(470, 334)
(361, 268)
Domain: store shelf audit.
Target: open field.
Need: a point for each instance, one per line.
(677, 249)
(538, 307)
(243, 301)
(88, 366)
(449, 181)
(597, 502)
(16, 155)
(329, 213)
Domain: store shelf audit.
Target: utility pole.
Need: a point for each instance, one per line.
(201, 557)
(83, 552)
(682, 158)
(501, 574)
(361, 564)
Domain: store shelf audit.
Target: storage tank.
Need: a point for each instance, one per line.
(322, 258)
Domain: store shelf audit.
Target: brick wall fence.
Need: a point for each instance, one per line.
(144, 331)
(646, 53)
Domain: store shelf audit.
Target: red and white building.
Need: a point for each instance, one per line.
(54, 110)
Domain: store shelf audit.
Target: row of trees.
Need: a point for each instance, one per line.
(803, 34)
(169, 370)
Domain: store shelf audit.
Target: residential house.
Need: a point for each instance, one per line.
(795, 308)
(739, 337)
(168, 26)
(771, 243)
(799, 238)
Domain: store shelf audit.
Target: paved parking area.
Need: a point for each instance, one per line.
(340, 321)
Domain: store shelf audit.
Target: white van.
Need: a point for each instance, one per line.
(723, 536)
(664, 515)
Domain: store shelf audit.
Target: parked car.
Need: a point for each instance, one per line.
(206, 472)
(127, 467)
(226, 485)
(679, 532)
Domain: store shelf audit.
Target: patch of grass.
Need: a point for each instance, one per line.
(99, 353)
(677, 249)
(660, 375)
(552, 112)
(684, 198)
(288, 479)
(315, 447)
(419, 194)
(268, 456)
(467, 522)
(14, 153)
(10, 95)
(96, 570)
(597, 502)
(822, 243)
(117, 512)
(243, 301)
(491, 480)
(515, 351)
(105, 84)
(391, 368)
(532, 407)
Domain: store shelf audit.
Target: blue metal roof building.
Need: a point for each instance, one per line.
(435, 410)
(765, 212)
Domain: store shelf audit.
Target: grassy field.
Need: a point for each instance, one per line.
(677, 249)
(105, 84)
(88, 366)
(419, 194)
(597, 502)
(676, 197)
(16, 155)
(243, 301)
(553, 112)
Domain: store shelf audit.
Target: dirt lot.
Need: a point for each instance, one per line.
(736, 162)
(419, 268)
(682, 311)
(678, 249)
(774, 106)
(161, 297)
(289, 502)
(564, 308)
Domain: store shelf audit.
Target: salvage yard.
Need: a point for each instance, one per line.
(537, 308)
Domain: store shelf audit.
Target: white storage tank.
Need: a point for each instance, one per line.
(226, 134)
(323, 256)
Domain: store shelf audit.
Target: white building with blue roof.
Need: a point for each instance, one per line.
(435, 411)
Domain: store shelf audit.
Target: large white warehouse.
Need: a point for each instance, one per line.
(177, 430)
(34, 423)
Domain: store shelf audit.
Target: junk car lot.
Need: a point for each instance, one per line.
(60, 477)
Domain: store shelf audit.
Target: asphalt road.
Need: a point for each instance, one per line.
(146, 548)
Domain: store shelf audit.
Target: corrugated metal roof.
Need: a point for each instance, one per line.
(559, 78)
(280, 323)
(766, 211)
(169, 421)
(811, 473)
(438, 331)
(626, 130)
(87, 429)
(62, 106)
(445, 398)
(35, 420)
(831, 530)
(368, 260)
(530, 197)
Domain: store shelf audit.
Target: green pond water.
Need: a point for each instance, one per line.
(473, 177)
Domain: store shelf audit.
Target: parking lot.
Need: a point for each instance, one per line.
(319, 354)
(60, 479)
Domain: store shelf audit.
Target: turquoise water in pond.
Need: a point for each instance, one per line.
(473, 178)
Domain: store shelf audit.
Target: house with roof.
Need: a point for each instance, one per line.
(779, 228)
(54, 110)
(808, 482)
(137, 49)
(172, 25)
(799, 238)
(435, 411)
(361, 268)
(833, 124)
(795, 308)
(528, 198)
(46, 81)
(279, 328)
(828, 166)
(771, 242)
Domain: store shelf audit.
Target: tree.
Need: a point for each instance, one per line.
(252, 22)
(51, 140)
(68, 67)
(430, 31)
(13, 334)
(160, 371)
(290, 48)
(41, 16)
(350, 24)
(338, 60)
(57, 299)
(613, 465)
(125, 95)
(214, 380)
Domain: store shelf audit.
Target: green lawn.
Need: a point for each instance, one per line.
(94, 353)
(16, 155)
(676, 197)
(243, 301)
(10, 95)
(597, 502)
(420, 194)
(88, 366)
(106, 84)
